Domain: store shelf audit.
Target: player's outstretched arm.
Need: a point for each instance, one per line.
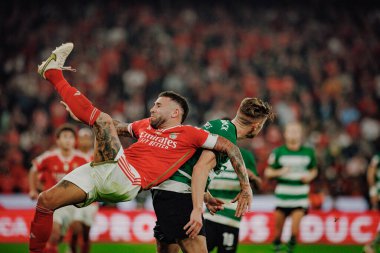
(122, 128)
(205, 163)
(244, 198)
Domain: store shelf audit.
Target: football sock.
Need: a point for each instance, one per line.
(73, 243)
(40, 229)
(81, 107)
(85, 247)
(292, 243)
(277, 245)
(86, 240)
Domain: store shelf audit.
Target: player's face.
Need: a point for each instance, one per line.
(255, 128)
(293, 133)
(163, 109)
(66, 140)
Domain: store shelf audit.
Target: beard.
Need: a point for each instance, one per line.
(155, 123)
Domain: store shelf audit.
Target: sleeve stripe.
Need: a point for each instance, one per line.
(210, 141)
(130, 130)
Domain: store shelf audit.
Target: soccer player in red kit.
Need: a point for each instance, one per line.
(48, 169)
(115, 175)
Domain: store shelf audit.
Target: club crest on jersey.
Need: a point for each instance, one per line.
(173, 136)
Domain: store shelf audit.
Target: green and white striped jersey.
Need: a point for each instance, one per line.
(376, 162)
(290, 190)
(226, 186)
(181, 179)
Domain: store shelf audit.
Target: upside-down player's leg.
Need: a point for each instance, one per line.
(108, 145)
(62, 194)
(107, 140)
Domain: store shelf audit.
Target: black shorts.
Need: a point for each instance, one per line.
(224, 237)
(288, 210)
(173, 213)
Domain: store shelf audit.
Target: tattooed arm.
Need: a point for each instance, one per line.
(122, 128)
(244, 198)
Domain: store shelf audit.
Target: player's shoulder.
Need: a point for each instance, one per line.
(142, 123)
(186, 128)
(219, 123)
(49, 154)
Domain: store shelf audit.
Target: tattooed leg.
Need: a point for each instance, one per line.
(107, 143)
(62, 194)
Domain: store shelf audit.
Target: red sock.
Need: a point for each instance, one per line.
(40, 229)
(78, 103)
(73, 243)
(85, 247)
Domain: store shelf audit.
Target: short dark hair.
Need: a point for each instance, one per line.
(65, 127)
(180, 100)
(255, 108)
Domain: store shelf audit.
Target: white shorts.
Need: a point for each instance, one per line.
(64, 216)
(86, 215)
(111, 181)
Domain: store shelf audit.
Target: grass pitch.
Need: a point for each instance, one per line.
(150, 248)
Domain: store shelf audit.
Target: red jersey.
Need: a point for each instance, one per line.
(52, 166)
(158, 153)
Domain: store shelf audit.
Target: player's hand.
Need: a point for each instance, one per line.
(305, 180)
(284, 170)
(69, 111)
(244, 199)
(33, 194)
(195, 224)
(214, 205)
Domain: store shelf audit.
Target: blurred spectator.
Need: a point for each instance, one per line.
(317, 63)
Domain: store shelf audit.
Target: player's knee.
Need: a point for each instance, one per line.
(46, 200)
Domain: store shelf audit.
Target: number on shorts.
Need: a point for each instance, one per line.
(228, 239)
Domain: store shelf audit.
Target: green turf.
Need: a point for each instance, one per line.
(146, 248)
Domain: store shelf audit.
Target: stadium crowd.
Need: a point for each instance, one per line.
(315, 63)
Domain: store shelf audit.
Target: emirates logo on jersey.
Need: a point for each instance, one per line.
(173, 136)
(157, 141)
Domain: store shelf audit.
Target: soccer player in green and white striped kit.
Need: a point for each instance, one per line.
(173, 199)
(222, 228)
(294, 166)
(373, 179)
